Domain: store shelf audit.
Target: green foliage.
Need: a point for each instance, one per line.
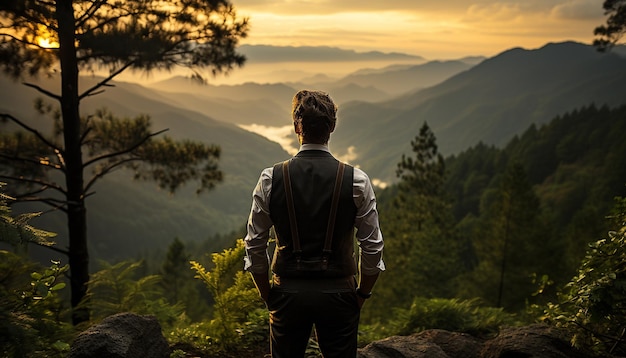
(118, 288)
(16, 230)
(465, 316)
(422, 249)
(593, 304)
(240, 320)
(454, 315)
(113, 35)
(31, 323)
(511, 243)
(574, 165)
(178, 284)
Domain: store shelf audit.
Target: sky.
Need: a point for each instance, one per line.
(434, 29)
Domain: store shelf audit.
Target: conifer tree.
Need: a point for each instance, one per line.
(175, 272)
(421, 248)
(511, 242)
(70, 36)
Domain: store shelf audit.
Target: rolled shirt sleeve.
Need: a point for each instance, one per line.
(368, 234)
(258, 226)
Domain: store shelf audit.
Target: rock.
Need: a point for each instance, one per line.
(454, 344)
(124, 335)
(402, 347)
(534, 341)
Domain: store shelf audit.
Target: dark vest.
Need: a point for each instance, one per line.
(313, 174)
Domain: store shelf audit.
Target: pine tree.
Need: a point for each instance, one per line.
(178, 284)
(421, 247)
(175, 272)
(511, 242)
(70, 36)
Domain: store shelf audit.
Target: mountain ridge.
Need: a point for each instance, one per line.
(489, 102)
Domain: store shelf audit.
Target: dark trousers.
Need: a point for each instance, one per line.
(297, 305)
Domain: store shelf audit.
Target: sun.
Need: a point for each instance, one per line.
(44, 38)
(47, 43)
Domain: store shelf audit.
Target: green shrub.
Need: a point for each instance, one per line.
(30, 309)
(240, 322)
(593, 304)
(118, 288)
(465, 316)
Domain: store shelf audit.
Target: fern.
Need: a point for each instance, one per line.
(115, 289)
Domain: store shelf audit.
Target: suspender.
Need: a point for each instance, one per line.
(297, 250)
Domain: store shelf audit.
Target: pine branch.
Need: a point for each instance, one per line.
(125, 151)
(43, 91)
(55, 204)
(104, 82)
(107, 170)
(31, 161)
(64, 252)
(33, 131)
(35, 181)
(89, 13)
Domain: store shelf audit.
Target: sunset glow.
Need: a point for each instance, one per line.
(435, 30)
(47, 43)
(44, 38)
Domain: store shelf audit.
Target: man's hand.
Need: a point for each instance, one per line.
(262, 283)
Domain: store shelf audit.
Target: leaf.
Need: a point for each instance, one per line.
(58, 286)
(36, 276)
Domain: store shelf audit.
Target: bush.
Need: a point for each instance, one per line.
(593, 304)
(239, 327)
(464, 316)
(30, 309)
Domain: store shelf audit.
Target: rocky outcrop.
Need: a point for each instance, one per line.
(535, 341)
(127, 335)
(124, 335)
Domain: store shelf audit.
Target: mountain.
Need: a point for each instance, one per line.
(491, 102)
(249, 103)
(387, 82)
(126, 217)
(268, 53)
(399, 81)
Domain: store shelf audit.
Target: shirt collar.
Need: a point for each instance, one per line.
(310, 146)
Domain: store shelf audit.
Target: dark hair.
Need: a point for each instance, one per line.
(316, 112)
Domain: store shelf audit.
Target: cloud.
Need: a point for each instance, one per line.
(578, 10)
(451, 7)
(282, 135)
(349, 156)
(431, 28)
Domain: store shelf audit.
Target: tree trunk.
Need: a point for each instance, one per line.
(76, 212)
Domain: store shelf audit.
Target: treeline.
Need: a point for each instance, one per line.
(501, 224)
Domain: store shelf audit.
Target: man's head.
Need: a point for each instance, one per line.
(314, 116)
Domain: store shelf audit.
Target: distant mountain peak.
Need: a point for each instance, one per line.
(269, 53)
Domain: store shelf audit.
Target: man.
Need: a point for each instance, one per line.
(314, 202)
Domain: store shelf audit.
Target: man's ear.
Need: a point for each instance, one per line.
(297, 127)
(332, 127)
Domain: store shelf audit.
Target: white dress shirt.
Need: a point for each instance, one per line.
(368, 234)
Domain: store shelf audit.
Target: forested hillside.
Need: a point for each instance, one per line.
(126, 217)
(504, 223)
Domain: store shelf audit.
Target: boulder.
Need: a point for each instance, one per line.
(534, 341)
(124, 335)
(433, 343)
